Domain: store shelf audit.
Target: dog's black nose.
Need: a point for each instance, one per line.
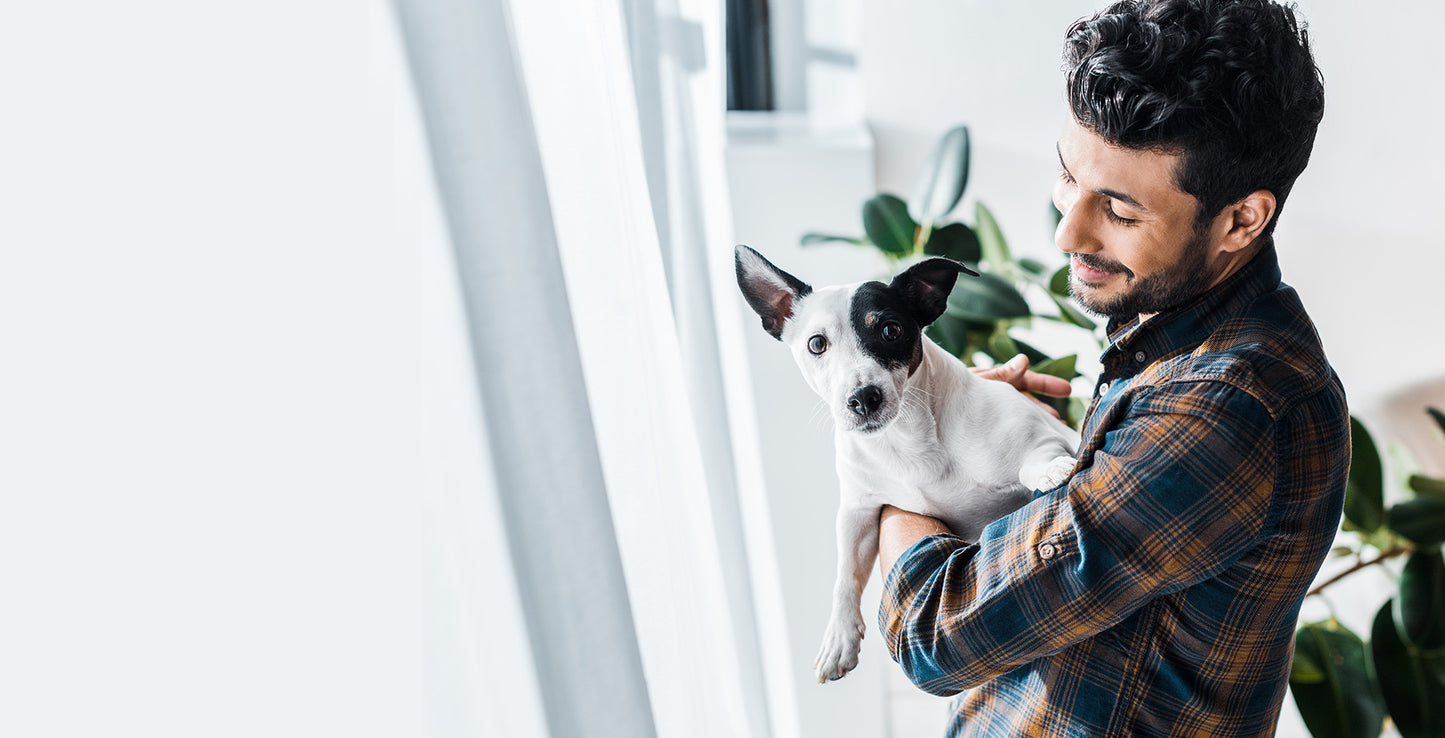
(865, 400)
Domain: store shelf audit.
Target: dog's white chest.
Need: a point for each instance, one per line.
(922, 477)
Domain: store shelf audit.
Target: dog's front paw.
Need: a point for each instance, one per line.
(839, 652)
(1056, 473)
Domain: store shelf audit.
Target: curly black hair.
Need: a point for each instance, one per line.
(1229, 84)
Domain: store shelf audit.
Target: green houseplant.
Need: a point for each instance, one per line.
(982, 312)
(1345, 686)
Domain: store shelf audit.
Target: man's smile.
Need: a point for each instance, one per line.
(1097, 273)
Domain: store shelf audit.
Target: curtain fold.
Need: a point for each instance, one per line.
(547, 476)
(676, 55)
(577, 149)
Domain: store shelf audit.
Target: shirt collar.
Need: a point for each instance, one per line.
(1189, 324)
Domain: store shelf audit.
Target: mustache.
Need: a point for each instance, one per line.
(1104, 265)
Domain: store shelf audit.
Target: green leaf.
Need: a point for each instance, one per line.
(1382, 539)
(1001, 348)
(1346, 703)
(1304, 670)
(1035, 356)
(1032, 266)
(995, 249)
(1412, 682)
(1077, 409)
(949, 332)
(1364, 489)
(955, 241)
(1059, 283)
(942, 181)
(1062, 367)
(1070, 314)
(1423, 485)
(986, 298)
(886, 221)
(811, 238)
(1422, 520)
(1420, 608)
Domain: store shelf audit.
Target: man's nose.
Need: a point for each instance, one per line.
(1074, 233)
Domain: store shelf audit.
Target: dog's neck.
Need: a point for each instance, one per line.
(939, 375)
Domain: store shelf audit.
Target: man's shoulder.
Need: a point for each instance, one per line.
(1270, 350)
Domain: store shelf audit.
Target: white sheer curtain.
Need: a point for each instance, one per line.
(577, 153)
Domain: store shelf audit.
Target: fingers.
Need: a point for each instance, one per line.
(1012, 371)
(1016, 373)
(1046, 385)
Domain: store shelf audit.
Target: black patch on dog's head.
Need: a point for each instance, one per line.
(913, 300)
(874, 308)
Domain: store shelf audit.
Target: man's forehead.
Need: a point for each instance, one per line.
(1143, 178)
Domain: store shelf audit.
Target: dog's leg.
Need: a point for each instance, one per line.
(1047, 466)
(857, 550)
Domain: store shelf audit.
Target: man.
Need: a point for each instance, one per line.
(1157, 591)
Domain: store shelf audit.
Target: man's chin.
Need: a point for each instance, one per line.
(1090, 297)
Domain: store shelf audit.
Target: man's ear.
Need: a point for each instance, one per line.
(1247, 220)
(769, 290)
(926, 286)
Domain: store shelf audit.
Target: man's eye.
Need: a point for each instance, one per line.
(1121, 220)
(892, 331)
(817, 344)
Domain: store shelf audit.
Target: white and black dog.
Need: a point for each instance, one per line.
(914, 428)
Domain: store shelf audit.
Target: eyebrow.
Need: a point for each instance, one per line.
(1117, 195)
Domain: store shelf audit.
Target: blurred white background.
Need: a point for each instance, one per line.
(246, 480)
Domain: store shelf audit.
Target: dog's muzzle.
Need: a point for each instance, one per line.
(865, 401)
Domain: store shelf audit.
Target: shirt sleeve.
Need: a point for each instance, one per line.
(1177, 491)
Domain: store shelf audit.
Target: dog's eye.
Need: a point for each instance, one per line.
(817, 344)
(892, 331)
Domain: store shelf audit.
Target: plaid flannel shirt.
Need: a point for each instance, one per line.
(1157, 591)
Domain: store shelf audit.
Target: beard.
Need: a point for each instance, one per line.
(1164, 290)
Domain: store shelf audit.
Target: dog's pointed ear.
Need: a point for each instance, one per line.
(769, 290)
(927, 284)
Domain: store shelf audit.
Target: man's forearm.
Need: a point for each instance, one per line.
(898, 530)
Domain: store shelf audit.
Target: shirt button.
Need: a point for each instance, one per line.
(1139, 356)
(1047, 550)
(1104, 389)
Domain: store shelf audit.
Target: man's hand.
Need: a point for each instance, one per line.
(1016, 372)
(900, 529)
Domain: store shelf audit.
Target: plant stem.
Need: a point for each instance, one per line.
(920, 237)
(1392, 553)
